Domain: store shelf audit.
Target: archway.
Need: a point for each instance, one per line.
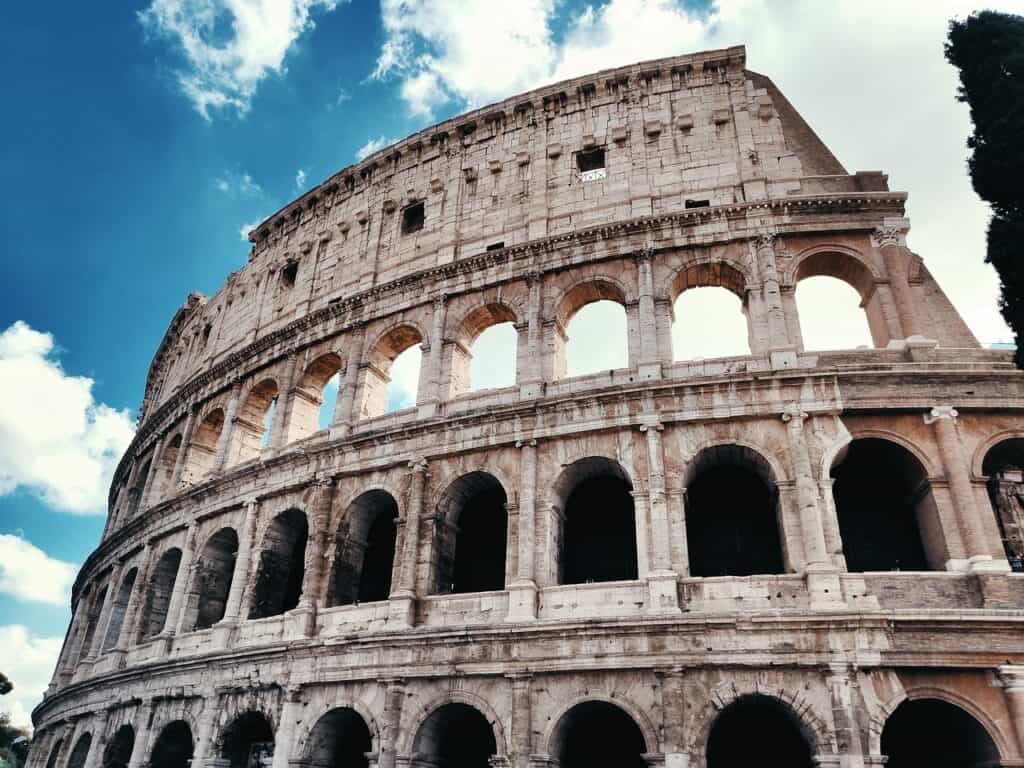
(248, 741)
(173, 747)
(709, 296)
(308, 397)
(119, 608)
(758, 730)
(732, 518)
(92, 620)
(472, 534)
(484, 353)
(840, 307)
(592, 331)
(456, 735)
(364, 550)
(883, 502)
(594, 497)
(202, 449)
(252, 425)
(80, 752)
(158, 597)
(118, 751)
(340, 739)
(51, 761)
(931, 733)
(1003, 465)
(214, 572)
(168, 460)
(597, 734)
(282, 565)
(387, 388)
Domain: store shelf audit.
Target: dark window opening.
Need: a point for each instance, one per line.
(880, 490)
(1003, 466)
(472, 535)
(455, 736)
(731, 524)
(340, 738)
(248, 742)
(757, 730)
(696, 203)
(282, 561)
(413, 217)
(600, 532)
(289, 273)
(937, 734)
(496, 246)
(119, 751)
(590, 160)
(80, 752)
(596, 734)
(173, 748)
(158, 597)
(364, 551)
(214, 575)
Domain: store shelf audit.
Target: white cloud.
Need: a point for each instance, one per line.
(55, 440)
(230, 45)
(246, 228)
(239, 184)
(405, 379)
(868, 76)
(29, 662)
(300, 180)
(29, 574)
(372, 146)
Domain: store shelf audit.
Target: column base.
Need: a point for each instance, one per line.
(649, 371)
(987, 564)
(782, 358)
(663, 592)
(224, 634)
(531, 390)
(301, 620)
(825, 587)
(677, 760)
(402, 609)
(522, 600)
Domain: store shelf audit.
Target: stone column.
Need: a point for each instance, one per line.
(142, 734)
(99, 732)
(522, 592)
(1012, 678)
(955, 465)
(316, 551)
(290, 712)
(779, 345)
(403, 599)
(228, 434)
(890, 242)
(240, 576)
(279, 429)
(129, 627)
(662, 583)
(183, 450)
(650, 360)
(673, 712)
(207, 722)
(344, 405)
(113, 582)
(394, 697)
(154, 470)
(175, 609)
(531, 369)
(522, 724)
(822, 577)
(433, 376)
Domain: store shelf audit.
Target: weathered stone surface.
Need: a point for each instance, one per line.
(246, 588)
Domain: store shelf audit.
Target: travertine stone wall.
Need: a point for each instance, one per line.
(210, 517)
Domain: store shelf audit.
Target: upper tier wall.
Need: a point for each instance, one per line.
(692, 128)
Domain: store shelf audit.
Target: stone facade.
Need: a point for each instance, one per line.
(804, 554)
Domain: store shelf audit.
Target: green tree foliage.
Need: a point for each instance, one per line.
(5, 685)
(988, 49)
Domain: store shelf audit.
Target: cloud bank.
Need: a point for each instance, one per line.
(29, 661)
(55, 439)
(30, 575)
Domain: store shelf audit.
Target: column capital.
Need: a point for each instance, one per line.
(418, 465)
(793, 413)
(940, 412)
(764, 240)
(882, 237)
(529, 443)
(656, 426)
(1011, 676)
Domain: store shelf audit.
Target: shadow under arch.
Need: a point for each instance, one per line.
(935, 729)
(339, 737)
(364, 549)
(173, 747)
(551, 739)
(458, 713)
(758, 729)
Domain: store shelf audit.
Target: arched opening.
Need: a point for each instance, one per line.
(51, 761)
(158, 597)
(936, 734)
(340, 739)
(390, 381)
(80, 752)
(309, 397)
(173, 747)
(591, 332)
(202, 452)
(119, 608)
(472, 532)
(883, 502)
(139, 487)
(364, 550)
(594, 499)
(709, 312)
(168, 460)
(1003, 465)
(483, 355)
(596, 734)
(92, 620)
(248, 741)
(253, 422)
(837, 303)
(758, 730)
(732, 514)
(119, 749)
(456, 736)
(214, 571)
(282, 566)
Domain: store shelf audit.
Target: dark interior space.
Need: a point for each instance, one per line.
(757, 730)
(929, 733)
(596, 734)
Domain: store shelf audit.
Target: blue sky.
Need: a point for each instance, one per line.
(133, 155)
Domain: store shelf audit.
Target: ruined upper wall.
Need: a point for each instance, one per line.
(691, 130)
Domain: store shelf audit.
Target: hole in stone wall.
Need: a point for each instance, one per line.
(282, 566)
(158, 597)
(596, 734)
(757, 730)
(173, 747)
(289, 273)
(937, 734)
(248, 742)
(254, 422)
(471, 535)
(92, 620)
(51, 761)
(455, 736)
(202, 451)
(413, 217)
(364, 550)
(313, 400)
(696, 203)
(831, 316)
(214, 573)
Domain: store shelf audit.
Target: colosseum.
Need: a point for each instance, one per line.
(784, 558)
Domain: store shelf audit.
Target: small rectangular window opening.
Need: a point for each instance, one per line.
(413, 217)
(697, 203)
(590, 163)
(496, 246)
